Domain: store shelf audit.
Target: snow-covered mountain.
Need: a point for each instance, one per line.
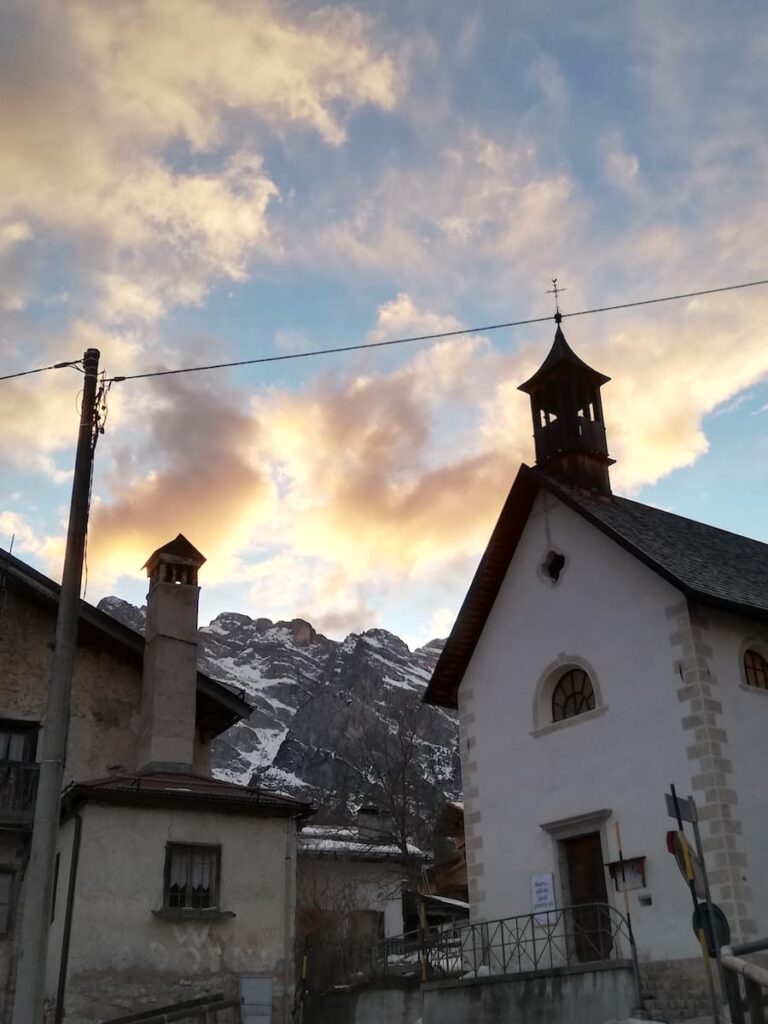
(328, 715)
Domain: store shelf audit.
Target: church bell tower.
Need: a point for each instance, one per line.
(568, 424)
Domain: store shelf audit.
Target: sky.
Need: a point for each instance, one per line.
(193, 181)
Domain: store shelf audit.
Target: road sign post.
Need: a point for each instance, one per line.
(685, 810)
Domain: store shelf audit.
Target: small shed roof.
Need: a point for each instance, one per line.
(183, 790)
(178, 548)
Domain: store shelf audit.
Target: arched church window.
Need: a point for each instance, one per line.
(756, 669)
(572, 695)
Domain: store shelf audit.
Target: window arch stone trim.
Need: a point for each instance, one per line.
(548, 680)
(758, 643)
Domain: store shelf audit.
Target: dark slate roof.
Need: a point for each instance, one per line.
(708, 565)
(561, 354)
(183, 790)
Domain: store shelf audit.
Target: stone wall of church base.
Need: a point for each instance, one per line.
(675, 990)
(394, 1001)
(579, 995)
(588, 994)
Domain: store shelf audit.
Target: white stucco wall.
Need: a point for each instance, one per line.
(123, 958)
(745, 724)
(609, 613)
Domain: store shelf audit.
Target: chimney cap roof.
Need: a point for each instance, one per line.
(178, 550)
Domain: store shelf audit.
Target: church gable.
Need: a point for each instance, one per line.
(563, 605)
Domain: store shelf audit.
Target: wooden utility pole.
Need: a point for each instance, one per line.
(38, 881)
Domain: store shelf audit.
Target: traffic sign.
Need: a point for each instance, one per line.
(701, 921)
(675, 846)
(687, 808)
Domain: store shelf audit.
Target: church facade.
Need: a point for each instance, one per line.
(605, 650)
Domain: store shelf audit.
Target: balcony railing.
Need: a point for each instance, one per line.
(18, 789)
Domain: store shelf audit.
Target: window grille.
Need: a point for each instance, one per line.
(192, 876)
(573, 695)
(18, 741)
(756, 670)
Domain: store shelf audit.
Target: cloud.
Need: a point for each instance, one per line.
(27, 541)
(477, 215)
(327, 498)
(195, 473)
(402, 316)
(621, 167)
(132, 132)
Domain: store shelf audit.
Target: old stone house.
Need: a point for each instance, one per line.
(604, 650)
(351, 879)
(353, 884)
(169, 883)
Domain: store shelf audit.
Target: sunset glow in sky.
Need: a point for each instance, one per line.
(193, 181)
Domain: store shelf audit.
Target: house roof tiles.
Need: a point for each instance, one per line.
(183, 789)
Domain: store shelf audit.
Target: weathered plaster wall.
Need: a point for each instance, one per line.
(344, 885)
(105, 691)
(123, 958)
(582, 996)
(12, 853)
(608, 613)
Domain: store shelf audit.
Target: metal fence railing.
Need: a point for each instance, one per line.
(589, 933)
(593, 933)
(209, 1009)
(738, 971)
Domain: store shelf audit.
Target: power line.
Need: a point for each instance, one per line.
(427, 337)
(41, 369)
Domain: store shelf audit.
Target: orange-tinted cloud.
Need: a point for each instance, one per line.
(193, 474)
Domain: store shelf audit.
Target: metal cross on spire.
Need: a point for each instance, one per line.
(554, 290)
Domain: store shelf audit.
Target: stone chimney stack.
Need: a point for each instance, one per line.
(373, 827)
(169, 682)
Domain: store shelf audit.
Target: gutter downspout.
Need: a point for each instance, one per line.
(289, 916)
(62, 985)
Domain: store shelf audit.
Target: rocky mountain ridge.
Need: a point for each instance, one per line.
(329, 717)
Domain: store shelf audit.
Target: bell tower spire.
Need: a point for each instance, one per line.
(568, 424)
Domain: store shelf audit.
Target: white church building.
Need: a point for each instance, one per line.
(604, 650)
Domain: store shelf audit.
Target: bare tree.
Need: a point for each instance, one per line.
(400, 767)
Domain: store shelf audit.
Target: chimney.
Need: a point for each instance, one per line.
(373, 827)
(169, 681)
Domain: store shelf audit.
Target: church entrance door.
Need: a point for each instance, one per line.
(588, 895)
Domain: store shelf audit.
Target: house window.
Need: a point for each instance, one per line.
(6, 897)
(192, 876)
(18, 741)
(573, 694)
(756, 669)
